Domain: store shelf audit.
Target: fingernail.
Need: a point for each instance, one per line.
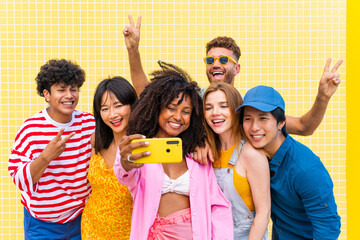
(147, 153)
(146, 143)
(143, 136)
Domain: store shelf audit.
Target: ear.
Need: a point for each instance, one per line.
(46, 95)
(281, 125)
(237, 68)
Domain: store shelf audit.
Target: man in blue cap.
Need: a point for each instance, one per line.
(302, 199)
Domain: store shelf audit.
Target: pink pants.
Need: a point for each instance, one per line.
(175, 226)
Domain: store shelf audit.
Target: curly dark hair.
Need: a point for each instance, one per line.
(124, 92)
(59, 71)
(167, 84)
(224, 42)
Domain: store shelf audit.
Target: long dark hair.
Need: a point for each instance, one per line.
(167, 84)
(124, 92)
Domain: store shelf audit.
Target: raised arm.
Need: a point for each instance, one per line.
(132, 39)
(309, 122)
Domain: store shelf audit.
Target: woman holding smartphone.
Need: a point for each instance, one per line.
(107, 214)
(241, 170)
(171, 200)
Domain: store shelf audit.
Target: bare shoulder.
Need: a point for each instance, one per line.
(252, 156)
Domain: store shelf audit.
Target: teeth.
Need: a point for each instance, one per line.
(214, 73)
(218, 121)
(67, 103)
(258, 136)
(116, 121)
(175, 124)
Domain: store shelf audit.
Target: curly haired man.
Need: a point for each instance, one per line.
(50, 156)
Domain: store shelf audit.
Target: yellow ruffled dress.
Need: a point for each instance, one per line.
(107, 214)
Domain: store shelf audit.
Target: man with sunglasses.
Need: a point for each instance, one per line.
(222, 60)
(222, 65)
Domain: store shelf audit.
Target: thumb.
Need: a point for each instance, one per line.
(332, 76)
(126, 31)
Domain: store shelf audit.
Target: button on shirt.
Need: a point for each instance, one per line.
(302, 199)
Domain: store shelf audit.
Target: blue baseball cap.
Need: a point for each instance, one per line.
(263, 98)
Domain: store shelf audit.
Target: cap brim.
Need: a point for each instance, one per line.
(260, 106)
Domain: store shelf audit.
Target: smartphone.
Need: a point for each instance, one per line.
(163, 150)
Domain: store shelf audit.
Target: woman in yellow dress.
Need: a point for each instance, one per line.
(107, 214)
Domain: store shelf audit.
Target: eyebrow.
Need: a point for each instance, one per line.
(223, 102)
(116, 102)
(175, 105)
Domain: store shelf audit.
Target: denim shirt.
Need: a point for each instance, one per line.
(242, 217)
(302, 199)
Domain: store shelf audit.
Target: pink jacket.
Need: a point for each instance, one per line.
(210, 211)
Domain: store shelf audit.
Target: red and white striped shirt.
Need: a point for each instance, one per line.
(63, 189)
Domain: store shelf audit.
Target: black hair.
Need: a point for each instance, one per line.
(279, 115)
(59, 71)
(167, 84)
(124, 92)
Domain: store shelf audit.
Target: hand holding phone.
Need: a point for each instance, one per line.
(126, 147)
(163, 150)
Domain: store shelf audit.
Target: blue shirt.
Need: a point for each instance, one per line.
(302, 199)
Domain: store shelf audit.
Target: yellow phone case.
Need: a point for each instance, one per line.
(163, 150)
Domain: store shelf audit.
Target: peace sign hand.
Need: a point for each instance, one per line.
(330, 80)
(56, 146)
(132, 33)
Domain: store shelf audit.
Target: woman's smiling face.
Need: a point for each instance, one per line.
(175, 118)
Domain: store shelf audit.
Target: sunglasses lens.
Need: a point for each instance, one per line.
(209, 60)
(223, 60)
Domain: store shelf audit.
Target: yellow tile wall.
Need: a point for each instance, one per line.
(284, 44)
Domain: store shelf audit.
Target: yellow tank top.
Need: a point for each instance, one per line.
(241, 183)
(107, 214)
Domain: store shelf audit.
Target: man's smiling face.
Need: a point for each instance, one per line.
(223, 73)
